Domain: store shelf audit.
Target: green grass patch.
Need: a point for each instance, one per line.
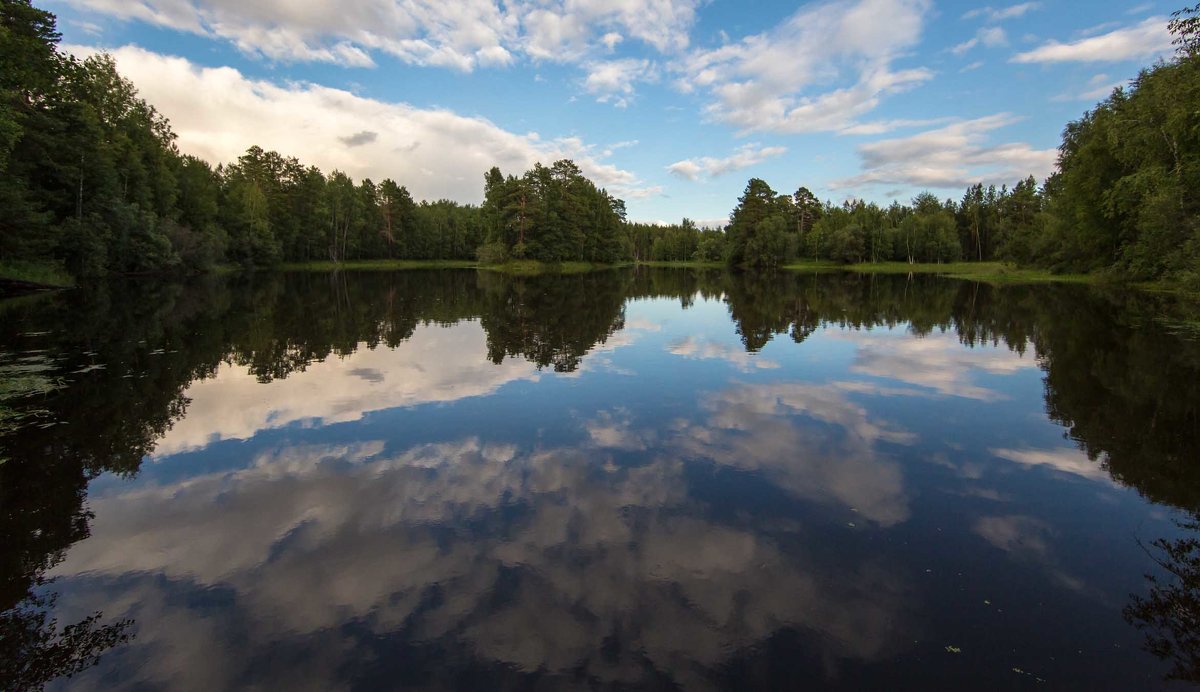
(515, 267)
(36, 274)
(812, 265)
(988, 272)
(999, 273)
(378, 265)
(535, 267)
(1169, 287)
(682, 264)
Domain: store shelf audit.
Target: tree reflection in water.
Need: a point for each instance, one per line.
(1170, 613)
(1125, 390)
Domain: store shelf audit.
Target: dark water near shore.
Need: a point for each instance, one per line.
(643, 479)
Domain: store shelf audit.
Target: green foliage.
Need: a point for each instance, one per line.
(1185, 27)
(42, 273)
(1127, 195)
(90, 178)
(553, 214)
(492, 253)
(758, 227)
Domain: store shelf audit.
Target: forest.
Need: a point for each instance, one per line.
(94, 183)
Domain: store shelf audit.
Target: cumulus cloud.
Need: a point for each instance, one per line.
(613, 80)
(572, 29)
(1148, 39)
(746, 156)
(1015, 534)
(438, 364)
(809, 440)
(953, 156)
(358, 139)
(218, 113)
(935, 361)
(701, 349)
(615, 430)
(819, 70)
(993, 14)
(460, 35)
(415, 545)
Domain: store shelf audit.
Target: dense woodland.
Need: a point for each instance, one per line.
(91, 178)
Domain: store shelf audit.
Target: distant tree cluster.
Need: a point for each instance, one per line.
(551, 214)
(768, 229)
(682, 242)
(1125, 198)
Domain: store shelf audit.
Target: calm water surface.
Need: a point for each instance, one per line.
(626, 479)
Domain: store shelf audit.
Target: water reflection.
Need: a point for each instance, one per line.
(809, 441)
(1170, 613)
(621, 478)
(534, 560)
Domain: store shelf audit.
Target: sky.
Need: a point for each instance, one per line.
(671, 105)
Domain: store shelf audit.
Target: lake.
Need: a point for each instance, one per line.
(627, 478)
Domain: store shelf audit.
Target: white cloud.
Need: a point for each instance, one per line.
(965, 46)
(1066, 459)
(613, 80)
(218, 113)
(809, 440)
(1147, 39)
(1015, 534)
(460, 35)
(570, 30)
(878, 127)
(692, 348)
(993, 14)
(991, 37)
(419, 541)
(1099, 87)
(936, 361)
(609, 430)
(746, 156)
(953, 156)
(437, 364)
(818, 71)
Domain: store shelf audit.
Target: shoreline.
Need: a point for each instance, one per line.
(22, 278)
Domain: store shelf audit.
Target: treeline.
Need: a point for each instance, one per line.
(1125, 198)
(551, 214)
(90, 177)
(770, 229)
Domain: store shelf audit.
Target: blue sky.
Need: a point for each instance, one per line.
(670, 104)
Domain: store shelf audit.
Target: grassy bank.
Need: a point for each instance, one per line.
(35, 275)
(515, 267)
(813, 265)
(534, 267)
(988, 272)
(683, 264)
(377, 265)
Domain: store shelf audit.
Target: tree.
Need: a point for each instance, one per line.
(757, 227)
(1185, 27)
